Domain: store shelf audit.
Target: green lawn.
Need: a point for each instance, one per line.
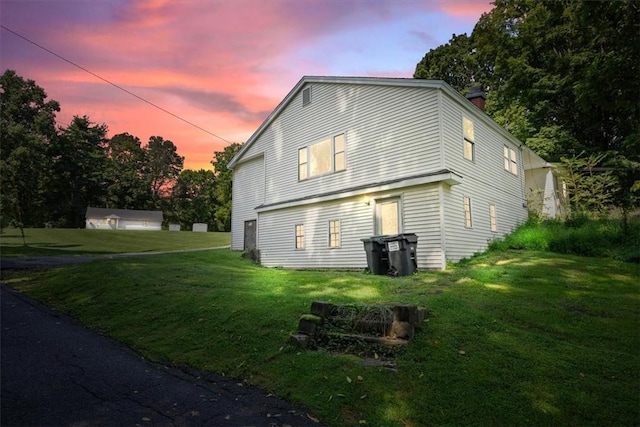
(512, 337)
(64, 241)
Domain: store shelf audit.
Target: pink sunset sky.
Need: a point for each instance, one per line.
(222, 65)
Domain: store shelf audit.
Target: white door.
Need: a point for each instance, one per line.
(388, 216)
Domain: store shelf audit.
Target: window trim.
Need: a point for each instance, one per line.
(335, 236)
(332, 157)
(468, 216)
(299, 243)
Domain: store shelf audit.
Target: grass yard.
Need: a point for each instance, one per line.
(64, 241)
(512, 337)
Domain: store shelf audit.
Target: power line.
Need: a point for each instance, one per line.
(113, 84)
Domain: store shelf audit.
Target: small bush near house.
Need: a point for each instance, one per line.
(607, 238)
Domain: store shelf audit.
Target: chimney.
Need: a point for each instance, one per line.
(477, 96)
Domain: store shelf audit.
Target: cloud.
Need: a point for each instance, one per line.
(220, 102)
(221, 64)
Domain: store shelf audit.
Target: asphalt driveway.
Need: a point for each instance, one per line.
(55, 372)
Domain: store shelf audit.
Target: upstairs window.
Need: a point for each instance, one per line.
(322, 158)
(302, 163)
(306, 97)
(338, 153)
(510, 160)
(469, 138)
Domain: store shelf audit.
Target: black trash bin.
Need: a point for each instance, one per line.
(401, 250)
(377, 258)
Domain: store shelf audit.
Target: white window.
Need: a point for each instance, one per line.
(300, 236)
(334, 234)
(510, 160)
(338, 153)
(321, 158)
(302, 163)
(492, 218)
(469, 138)
(467, 212)
(306, 97)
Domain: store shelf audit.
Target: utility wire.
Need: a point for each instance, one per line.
(113, 84)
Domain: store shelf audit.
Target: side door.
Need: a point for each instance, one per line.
(388, 216)
(250, 234)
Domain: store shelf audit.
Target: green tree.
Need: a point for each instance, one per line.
(590, 190)
(224, 186)
(561, 76)
(454, 62)
(77, 176)
(194, 198)
(163, 166)
(127, 185)
(27, 125)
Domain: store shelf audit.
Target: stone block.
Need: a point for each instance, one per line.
(422, 314)
(300, 340)
(307, 326)
(405, 313)
(404, 330)
(322, 309)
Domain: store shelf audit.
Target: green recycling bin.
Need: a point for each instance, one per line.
(401, 251)
(377, 258)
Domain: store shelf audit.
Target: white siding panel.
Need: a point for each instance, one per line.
(377, 139)
(248, 193)
(276, 231)
(485, 182)
(421, 215)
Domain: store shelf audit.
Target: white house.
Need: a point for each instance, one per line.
(122, 219)
(346, 158)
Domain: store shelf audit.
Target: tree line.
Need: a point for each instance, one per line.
(50, 174)
(563, 77)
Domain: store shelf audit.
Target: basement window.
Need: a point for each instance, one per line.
(334, 234)
(492, 218)
(299, 236)
(467, 212)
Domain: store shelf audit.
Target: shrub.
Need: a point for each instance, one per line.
(578, 235)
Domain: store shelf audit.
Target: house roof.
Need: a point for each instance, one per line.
(377, 81)
(127, 214)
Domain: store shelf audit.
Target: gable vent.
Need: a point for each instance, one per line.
(306, 97)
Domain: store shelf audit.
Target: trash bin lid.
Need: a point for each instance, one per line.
(410, 237)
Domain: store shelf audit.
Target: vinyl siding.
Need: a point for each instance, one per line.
(391, 132)
(247, 193)
(277, 235)
(420, 215)
(485, 182)
(377, 139)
